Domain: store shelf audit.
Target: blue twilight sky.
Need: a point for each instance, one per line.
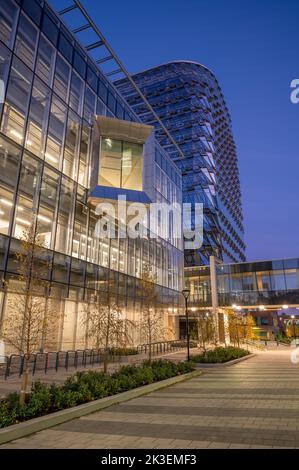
(252, 47)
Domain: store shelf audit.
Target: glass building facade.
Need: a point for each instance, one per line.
(260, 283)
(188, 100)
(49, 141)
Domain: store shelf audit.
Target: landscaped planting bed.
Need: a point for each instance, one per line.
(220, 355)
(123, 351)
(84, 387)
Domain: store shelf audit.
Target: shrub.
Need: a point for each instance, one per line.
(220, 355)
(39, 401)
(84, 387)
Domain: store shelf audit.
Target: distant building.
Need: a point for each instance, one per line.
(188, 100)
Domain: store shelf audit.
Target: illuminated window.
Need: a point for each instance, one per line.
(121, 164)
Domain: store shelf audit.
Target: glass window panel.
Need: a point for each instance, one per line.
(103, 91)
(79, 64)
(8, 20)
(80, 232)
(9, 170)
(56, 132)
(65, 47)
(67, 196)
(84, 155)
(50, 29)
(30, 176)
(291, 263)
(263, 281)
(45, 61)
(38, 118)
(114, 254)
(33, 10)
(236, 282)
(46, 226)
(249, 282)
(23, 215)
(292, 279)
(61, 268)
(48, 201)
(110, 163)
(101, 108)
(92, 79)
(49, 189)
(72, 142)
(5, 56)
(62, 78)
(278, 280)
(132, 161)
(3, 251)
(6, 208)
(76, 94)
(77, 273)
(89, 106)
(111, 102)
(119, 110)
(123, 255)
(26, 41)
(9, 163)
(17, 100)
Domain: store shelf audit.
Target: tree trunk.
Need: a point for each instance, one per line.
(24, 386)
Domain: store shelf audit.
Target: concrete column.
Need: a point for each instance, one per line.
(214, 293)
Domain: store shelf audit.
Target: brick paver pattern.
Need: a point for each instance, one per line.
(253, 404)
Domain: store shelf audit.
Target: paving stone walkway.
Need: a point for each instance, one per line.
(253, 404)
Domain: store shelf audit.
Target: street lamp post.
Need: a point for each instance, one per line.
(186, 293)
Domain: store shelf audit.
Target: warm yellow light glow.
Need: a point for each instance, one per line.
(44, 219)
(7, 203)
(285, 307)
(51, 158)
(16, 134)
(23, 221)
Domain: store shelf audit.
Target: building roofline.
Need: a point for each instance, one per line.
(192, 62)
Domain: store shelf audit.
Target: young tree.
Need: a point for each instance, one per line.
(105, 325)
(31, 320)
(207, 330)
(152, 318)
(241, 328)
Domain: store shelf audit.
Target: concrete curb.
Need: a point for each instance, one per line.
(32, 426)
(225, 364)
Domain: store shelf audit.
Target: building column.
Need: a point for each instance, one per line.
(215, 303)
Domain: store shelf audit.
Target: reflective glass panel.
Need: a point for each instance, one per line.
(38, 118)
(45, 61)
(8, 21)
(17, 100)
(26, 41)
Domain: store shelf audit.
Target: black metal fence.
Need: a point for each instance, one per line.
(55, 361)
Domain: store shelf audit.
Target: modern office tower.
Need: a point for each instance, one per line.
(68, 142)
(188, 100)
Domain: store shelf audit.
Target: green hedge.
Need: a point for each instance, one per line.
(123, 351)
(220, 355)
(84, 387)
